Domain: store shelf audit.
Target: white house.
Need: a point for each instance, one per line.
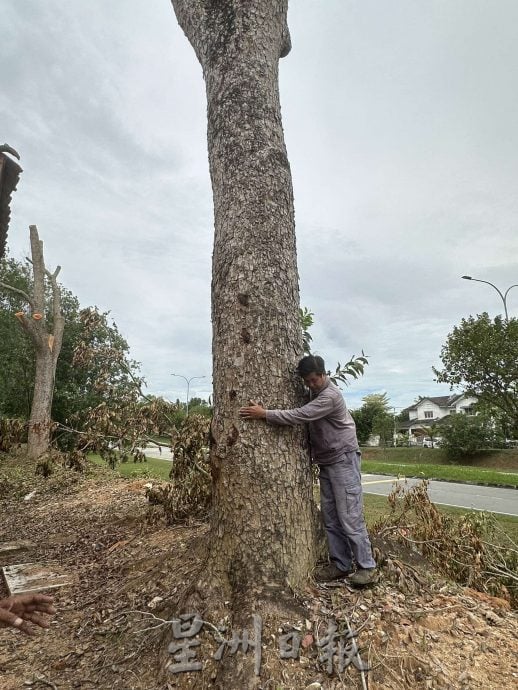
(428, 411)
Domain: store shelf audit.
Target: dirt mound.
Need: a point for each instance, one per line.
(414, 630)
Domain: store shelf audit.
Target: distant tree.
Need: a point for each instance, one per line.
(200, 406)
(432, 432)
(104, 392)
(383, 426)
(481, 355)
(16, 350)
(377, 401)
(101, 359)
(363, 421)
(463, 435)
(403, 416)
(46, 336)
(373, 417)
(93, 367)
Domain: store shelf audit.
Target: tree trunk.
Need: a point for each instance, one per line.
(262, 519)
(39, 422)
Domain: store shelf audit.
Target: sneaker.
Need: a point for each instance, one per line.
(330, 572)
(364, 576)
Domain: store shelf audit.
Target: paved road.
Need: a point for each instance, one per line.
(504, 501)
(154, 452)
(496, 500)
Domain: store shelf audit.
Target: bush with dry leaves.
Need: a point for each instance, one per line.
(472, 549)
(188, 494)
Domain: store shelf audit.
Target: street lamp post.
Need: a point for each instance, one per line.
(188, 382)
(503, 295)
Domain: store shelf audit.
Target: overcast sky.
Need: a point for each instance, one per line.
(401, 123)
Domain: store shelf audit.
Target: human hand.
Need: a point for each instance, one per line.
(253, 411)
(21, 609)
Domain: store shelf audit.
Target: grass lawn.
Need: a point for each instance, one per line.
(505, 460)
(377, 506)
(153, 468)
(451, 473)
(498, 468)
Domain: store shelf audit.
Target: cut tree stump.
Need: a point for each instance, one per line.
(26, 578)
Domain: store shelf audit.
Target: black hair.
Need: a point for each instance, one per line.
(311, 364)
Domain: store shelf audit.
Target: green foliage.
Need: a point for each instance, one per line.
(403, 416)
(481, 355)
(93, 367)
(378, 401)
(16, 350)
(99, 369)
(199, 406)
(373, 418)
(306, 321)
(432, 432)
(463, 435)
(383, 426)
(354, 368)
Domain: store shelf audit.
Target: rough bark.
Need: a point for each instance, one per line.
(47, 344)
(263, 513)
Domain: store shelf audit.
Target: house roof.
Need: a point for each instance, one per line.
(9, 176)
(441, 401)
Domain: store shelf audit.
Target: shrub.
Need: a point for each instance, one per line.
(464, 435)
(13, 433)
(188, 494)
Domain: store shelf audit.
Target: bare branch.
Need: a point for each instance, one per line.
(59, 320)
(18, 292)
(38, 263)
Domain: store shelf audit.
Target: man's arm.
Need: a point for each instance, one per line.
(318, 408)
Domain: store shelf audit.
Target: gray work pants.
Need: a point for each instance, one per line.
(342, 512)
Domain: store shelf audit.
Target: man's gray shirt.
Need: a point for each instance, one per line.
(332, 430)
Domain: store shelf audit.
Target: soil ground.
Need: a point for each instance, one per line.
(414, 629)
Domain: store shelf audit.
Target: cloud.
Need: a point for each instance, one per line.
(400, 122)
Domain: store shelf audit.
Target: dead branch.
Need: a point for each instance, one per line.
(17, 291)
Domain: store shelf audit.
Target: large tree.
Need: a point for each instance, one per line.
(373, 418)
(262, 516)
(481, 356)
(46, 339)
(16, 350)
(93, 368)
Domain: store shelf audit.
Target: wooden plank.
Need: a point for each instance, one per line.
(26, 578)
(8, 547)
